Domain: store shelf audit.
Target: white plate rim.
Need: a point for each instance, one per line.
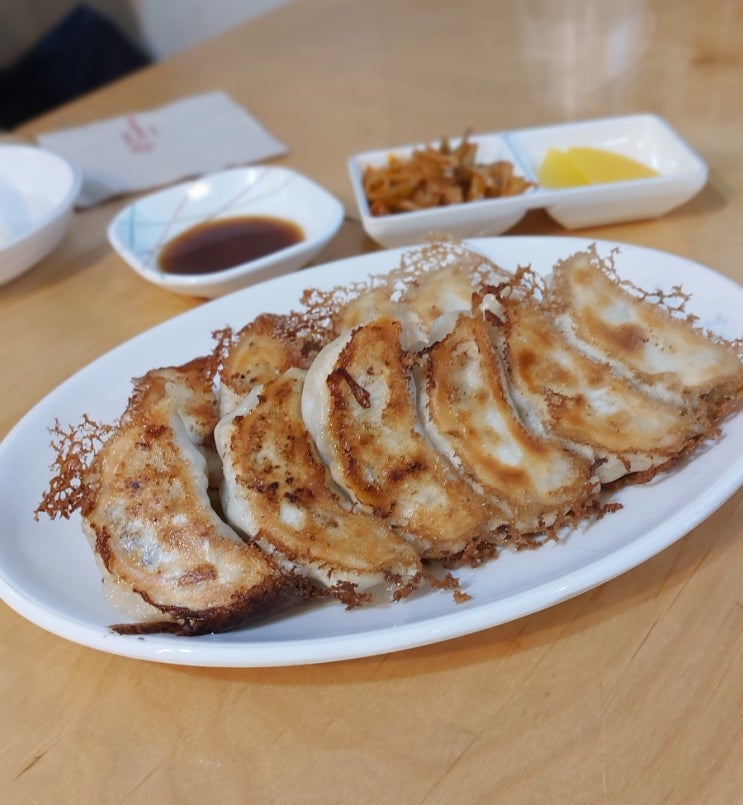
(238, 649)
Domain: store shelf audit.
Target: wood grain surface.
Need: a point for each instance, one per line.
(631, 693)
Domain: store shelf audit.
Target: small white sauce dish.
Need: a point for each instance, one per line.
(37, 194)
(142, 229)
(467, 220)
(644, 137)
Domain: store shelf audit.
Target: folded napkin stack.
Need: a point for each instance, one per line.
(148, 149)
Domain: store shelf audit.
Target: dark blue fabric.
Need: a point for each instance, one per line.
(84, 51)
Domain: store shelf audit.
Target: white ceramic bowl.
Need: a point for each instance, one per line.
(37, 194)
(141, 230)
(469, 220)
(645, 137)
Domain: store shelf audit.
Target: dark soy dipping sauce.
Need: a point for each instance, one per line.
(225, 243)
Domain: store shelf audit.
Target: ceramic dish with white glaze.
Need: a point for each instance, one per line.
(37, 193)
(644, 137)
(471, 219)
(142, 229)
(48, 572)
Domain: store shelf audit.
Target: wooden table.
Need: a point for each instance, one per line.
(631, 693)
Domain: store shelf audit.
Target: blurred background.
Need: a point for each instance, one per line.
(52, 51)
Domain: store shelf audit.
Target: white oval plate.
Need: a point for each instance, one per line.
(48, 573)
(140, 230)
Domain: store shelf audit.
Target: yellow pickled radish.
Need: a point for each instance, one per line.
(558, 171)
(581, 165)
(598, 165)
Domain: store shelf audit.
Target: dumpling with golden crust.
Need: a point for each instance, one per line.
(359, 405)
(662, 351)
(278, 491)
(259, 353)
(559, 389)
(166, 554)
(467, 411)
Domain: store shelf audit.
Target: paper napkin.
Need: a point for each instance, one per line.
(151, 148)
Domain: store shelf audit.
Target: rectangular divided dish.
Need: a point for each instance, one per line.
(644, 137)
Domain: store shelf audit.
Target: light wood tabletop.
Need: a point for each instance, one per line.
(629, 693)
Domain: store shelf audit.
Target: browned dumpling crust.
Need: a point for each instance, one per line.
(466, 408)
(661, 350)
(586, 404)
(148, 515)
(278, 491)
(359, 405)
